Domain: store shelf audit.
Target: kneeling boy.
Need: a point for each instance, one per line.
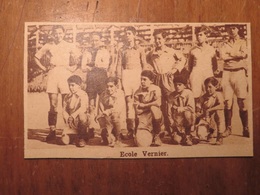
(181, 109)
(147, 102)
(213, 108)
(75, 106)
(111, 109)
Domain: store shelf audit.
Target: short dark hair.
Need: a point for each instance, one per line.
(211, 80)
(204, 29)
(160, 31)
(112, 80)
(55, 27)
(180, 79)
(130, 28)
(149, 74)
(238, 26)
(75, 79)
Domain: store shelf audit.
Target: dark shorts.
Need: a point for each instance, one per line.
(96, 82)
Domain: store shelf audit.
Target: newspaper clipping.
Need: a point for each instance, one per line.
(137, 90)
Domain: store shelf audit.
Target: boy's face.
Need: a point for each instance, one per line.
(74, 87)
(210, 89)
(201, 37)
(145, 82)
(130, 36)
(233, 31)
(179, 87)
(111, 88)
(58, 34)
(159, 40)
(95, 41)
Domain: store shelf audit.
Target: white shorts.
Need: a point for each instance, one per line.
(234, 83)
(197, 79)
(131, 81)
(57, 80)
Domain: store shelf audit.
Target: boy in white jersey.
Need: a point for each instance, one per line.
(234, 81)
(75, 108)
(166, 62)
(60, 69)
(202, 64)
(147, 105)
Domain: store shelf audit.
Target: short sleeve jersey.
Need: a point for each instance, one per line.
(60, 53)
(76, 102)
(183, 99)
(239, 49)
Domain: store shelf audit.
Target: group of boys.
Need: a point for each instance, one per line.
(154, 92)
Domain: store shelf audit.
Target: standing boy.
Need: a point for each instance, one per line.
(166, 62)
(131, 62)
(234, 81)
(75, 107)
(147, 101)
(181, 112)
(96, 62)
(202, 63)
(60, 53)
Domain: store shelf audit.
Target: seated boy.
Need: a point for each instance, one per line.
(213, 108)
(147, 102)
(181, 105)
(75, 106)
(111, 109)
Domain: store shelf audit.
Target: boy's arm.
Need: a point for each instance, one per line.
(149, 61)
(241, 53)
(190, 61)
(118, 105)
(220, 105)
(39, 64)
(214, 64)
(157, 102)
(83, 106)
(190, 104)
(180, 61)
(39, 55)
(145, 65)
(86, 59)
(227, 52)
(119, 64)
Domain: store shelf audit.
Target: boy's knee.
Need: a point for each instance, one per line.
(219, 115)
(241, 104)
(157, 114)
(115, 117)
(102, 122)
(228, 104)
(83, 118)
(53, 108)
(189, 117)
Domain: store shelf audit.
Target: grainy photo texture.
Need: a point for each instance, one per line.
(137, 90)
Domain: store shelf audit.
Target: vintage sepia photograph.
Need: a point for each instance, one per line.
(137, 90)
